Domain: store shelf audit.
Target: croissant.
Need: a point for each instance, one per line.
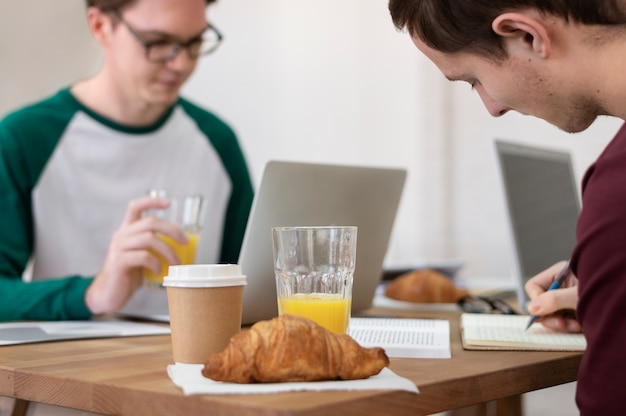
(424, 286)
(292, 348)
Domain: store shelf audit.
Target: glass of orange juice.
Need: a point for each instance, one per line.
(314, 269)
(186, 211)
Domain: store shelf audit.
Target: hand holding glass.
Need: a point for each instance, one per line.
(187, 213)
(314, 269)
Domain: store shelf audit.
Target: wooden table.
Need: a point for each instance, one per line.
(127, 376)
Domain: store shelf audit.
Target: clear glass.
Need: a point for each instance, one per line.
(186, 212)
(314, 268)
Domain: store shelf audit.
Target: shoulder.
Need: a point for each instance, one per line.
(44, 119)
(223, 139)
(214, 127)
(612, 160)
(58, 106)
(29, 135)
(218, 133)
(603, 192)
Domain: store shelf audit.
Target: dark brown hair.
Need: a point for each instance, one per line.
(454, 25)
(107, 5)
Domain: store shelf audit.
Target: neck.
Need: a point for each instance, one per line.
(601, 67)
(106, 98)
(612, 70)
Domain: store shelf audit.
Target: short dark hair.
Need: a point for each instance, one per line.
(453, 25)
(108, 5)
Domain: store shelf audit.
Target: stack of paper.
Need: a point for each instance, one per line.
(399, 337)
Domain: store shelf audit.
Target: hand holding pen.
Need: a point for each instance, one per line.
(557, 283)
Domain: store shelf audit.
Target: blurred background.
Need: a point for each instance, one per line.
(332, 82)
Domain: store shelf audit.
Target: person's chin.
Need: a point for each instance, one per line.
(568, 125)
(165, 97)
(576, 126)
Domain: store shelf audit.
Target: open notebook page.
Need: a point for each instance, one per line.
(508, 332)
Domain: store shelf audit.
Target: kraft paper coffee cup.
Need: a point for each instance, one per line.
(205, 302)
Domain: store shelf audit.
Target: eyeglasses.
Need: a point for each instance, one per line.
(160, 51)
(484, 304)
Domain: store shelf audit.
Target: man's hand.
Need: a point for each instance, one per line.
(131, 250)
(556, 307)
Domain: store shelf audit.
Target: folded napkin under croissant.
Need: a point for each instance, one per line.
(190, 379)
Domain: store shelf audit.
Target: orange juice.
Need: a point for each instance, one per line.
(328, 310)
(185, 252)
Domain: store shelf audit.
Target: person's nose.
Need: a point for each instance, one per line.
(495, 108)
(182, 61)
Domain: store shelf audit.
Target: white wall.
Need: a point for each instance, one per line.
(319, 80)
(43, 46)
(327, 81)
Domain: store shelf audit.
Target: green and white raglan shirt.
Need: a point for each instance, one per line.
(66, 177)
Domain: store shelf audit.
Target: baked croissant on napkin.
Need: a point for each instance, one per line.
(424, 286)
(292, 348)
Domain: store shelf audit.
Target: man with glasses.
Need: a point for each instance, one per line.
(75, 168)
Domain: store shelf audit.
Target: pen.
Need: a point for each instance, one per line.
(555, 285)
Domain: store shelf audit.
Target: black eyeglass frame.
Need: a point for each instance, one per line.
(176, 46)
(495, 305)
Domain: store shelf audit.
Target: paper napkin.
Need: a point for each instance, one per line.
(190, 379)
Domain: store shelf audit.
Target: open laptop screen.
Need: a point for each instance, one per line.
(300, 194)
(543, 207)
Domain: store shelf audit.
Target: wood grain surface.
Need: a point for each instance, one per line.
(127, 376)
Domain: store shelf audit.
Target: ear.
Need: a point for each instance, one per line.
(100, 25)
(525, 31)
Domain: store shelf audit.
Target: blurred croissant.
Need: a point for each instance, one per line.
(424, 286)
(292, 348)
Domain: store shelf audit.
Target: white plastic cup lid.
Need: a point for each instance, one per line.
(204, 275)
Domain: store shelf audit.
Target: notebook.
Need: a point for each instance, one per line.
(508, 332)
(542, 199)
(298, 193)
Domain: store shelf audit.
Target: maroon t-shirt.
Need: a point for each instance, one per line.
(599, 262)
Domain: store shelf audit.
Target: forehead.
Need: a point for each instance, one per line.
(169, 16)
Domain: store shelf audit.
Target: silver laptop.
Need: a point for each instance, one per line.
(295, 193)
(543, 206)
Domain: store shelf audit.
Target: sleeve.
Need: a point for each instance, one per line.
(599, 262)
(24, 149)
(240, 199)
(225, 142)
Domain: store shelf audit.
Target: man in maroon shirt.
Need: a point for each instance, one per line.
(565, 62)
